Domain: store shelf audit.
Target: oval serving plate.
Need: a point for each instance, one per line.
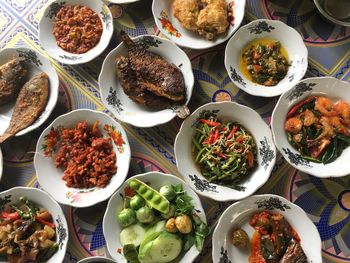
(36, 63)
(50, 177)
(248, 118)
(122, 107)
(238, 214)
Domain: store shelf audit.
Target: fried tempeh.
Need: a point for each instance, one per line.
(30, 103)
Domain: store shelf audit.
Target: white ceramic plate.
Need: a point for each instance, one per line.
(163, 13)
(272, 29)
(43, 199)
(96, 260)
(328, 86)
(36, 63)
(238, 214)
(50, 177)
(111, 228)
(248, 118)
(123, 108)
(48, 40)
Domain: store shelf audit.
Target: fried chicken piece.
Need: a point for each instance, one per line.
(187, 11)
(213, 19)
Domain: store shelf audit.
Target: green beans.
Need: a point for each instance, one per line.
(153, 198)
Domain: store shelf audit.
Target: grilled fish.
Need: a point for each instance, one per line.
(30, 103)
(136, 90)
(12, 78)
(152, 73)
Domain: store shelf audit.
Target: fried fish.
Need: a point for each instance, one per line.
(31, 101)
(12, 78)
(149, 79)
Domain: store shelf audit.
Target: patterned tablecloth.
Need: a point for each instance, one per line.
(326, 201)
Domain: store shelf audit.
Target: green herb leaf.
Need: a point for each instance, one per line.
(130, 253)
(188, 241)
(183, 204)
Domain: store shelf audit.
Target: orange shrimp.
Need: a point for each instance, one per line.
(293, 125)
(335, 123)
(343, 109)
(325, 106)
(309, 118)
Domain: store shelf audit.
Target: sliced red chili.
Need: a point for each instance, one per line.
(292, 112)
(210, 123)
(234, 129)
(217, 135)
(222, 155)
(43, 221)
(12, 216)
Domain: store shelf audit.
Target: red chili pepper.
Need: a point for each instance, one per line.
(119, 250)
(13, 216)
(240, 139)
(232, 133)
(292, 112)
(43, 221)
(217, 135)
(222, 155)
(210, 123)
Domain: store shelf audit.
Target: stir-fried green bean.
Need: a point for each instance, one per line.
(225, 151)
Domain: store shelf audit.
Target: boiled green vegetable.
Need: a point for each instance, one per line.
(145, 215)
(126, 217)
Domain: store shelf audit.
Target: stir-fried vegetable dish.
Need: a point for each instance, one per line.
(158, 226)
(265, 61)
(27, 233)
(224, 150)
(274, 240)
(319, 128)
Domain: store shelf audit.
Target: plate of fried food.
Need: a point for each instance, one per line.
(75, 31)
(146, 81)
(82, 158)
(265, 228)
(33, 227)
(28, 91)
(311, 126)
(198, 24)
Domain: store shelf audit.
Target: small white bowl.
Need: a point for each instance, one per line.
(48, 41)
(111, 228)
(36, 63)
(248, 118)
(162, 11)
(238, 214)
(290, 39)
(96, 260)
(328, 86)
(43, 199)
(122, 107)
(50, 177)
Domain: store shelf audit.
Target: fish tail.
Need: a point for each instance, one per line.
(5, 136)
(126, 39)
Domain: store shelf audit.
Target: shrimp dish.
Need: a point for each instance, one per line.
(319, 128)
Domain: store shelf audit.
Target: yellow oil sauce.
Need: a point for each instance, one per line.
(256, 42)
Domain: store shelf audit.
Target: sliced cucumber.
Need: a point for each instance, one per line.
(165, 248)
(132, 235)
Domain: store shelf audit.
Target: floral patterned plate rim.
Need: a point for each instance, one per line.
(35, 63)
(128, 111)
(248, 118)
(50, 177)
(115, 204)
(48, 41)
(238, 214)
(271, 29)
(169, 25)
(328, 86)
(42, 199)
